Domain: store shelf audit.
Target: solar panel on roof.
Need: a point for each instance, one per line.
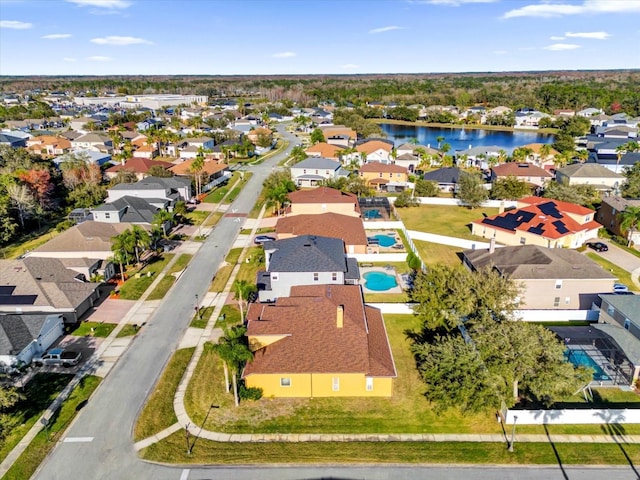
(550, 209)
(18, 299)
(537, 230)
(510, 221)
(560, 227)
(7, 289)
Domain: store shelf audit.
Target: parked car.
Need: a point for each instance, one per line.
(598, 246)
(58, 356)
(620, 287)
(261, 239)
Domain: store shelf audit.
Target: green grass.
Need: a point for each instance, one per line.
(31, 240)
(254, 261)
(451, 221)
(168, 280)
(158, 412)
(196, 217)
(623, 275)
(224, 272)
(172, 450)
(127, 331)
(432, 253)
(38, 395)
(200, 319)
(99, 329)
(230, 314)
(213, 219)
(233, 194)
(40, 447)
(386, 297)
(134, 287)
(216, 195)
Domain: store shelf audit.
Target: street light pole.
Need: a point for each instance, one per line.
(197, 306)
(513, 433)
(187, 434)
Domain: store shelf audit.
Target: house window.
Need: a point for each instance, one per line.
(334, 276)
(335, 384)
(587, 218)
(316, 172)
(627, 323)
(274, 276)
(107, 215)
(567, 300)
(315, 276)
(391, 175)
(285, 381)
(523, 240)
(304, 171)
(556, 302)
(558, 284)
(610, 310)
(369, 384)
(380, 174)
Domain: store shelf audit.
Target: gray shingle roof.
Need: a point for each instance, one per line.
(591, 170)
(18, 331)
(154, 183)
(532, 261)
(306, 253)
(628, 305)
(136, 210)
(444, 175)
(319, 163)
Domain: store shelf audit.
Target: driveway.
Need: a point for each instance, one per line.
(621, 258)
(86, 345)
(111, 310)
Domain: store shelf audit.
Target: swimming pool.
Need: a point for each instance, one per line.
(582, 358)
(379, 281)
(386, 240)
(369, 214)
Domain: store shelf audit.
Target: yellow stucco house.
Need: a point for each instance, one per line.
(321, 341)
(383, 176)
(323, 200)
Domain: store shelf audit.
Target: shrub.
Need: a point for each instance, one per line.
(249, 393)
(64, 225)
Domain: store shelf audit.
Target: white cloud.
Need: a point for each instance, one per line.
(284, 55)
(587, 6)
(555, 38)
(69, 59)
(386, 29)
(561, 47)
(120, 41)
(593, 35)
(349, 66)
(453, 3)
(15, 24)
(56, 36)
(99, 58)
(110, 4)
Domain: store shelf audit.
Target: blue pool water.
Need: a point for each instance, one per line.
(386, 240)
(369, 214)
(379, 281)
(582, 358)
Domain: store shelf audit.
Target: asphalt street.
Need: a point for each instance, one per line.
(103, 446)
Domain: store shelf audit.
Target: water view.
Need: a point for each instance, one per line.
(462, 139)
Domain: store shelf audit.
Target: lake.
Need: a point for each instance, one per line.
(461, 138)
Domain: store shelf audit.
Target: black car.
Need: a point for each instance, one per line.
(598, 246)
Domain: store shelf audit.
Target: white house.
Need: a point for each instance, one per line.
(312, 171)
(23, 337)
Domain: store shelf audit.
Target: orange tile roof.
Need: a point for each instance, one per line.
(373, 145)
(349, 229)
(535, 147)
(562, 206)
(332, 130)
(312, 341)
(520, 170)
(325, 150)
(376, 167)
(210, 167)
(546, 218)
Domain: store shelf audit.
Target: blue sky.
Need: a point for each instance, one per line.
(107, 37)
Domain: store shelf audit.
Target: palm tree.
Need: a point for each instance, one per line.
(621, 151)
(161, 218)
(629, 221)
(242, 290)
(233, 350)
(141, 240)
(582, 155)
(414, 141)
(440, 139)
(197, 166)
(545, 152)
(123, 247)
(501, 158)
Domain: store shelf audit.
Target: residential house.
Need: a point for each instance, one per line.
(313, 171)
(529, 118)
(601, 178)
(548, 278)
(527, 172)
(447, 178)
(414, 149)
(79, 124)
(23, 337)
(322, 341)
(173, 189)
(213, 172)
(48, 145)
(133, 210)
(347, 228)
(206, 143)
(384, 177)
(89, 156)
(620, 320)
(323, 200)
(539, 160)
(45, 286)
(255, 134)
(137, 165)
(93, 141)
(609, 216)
(12, 141)
(589, 112)
(617, 164)
(339, 135)
(304, 260)
(481, 157)
(324, 150)
(374, 151)
(148, 151)
(540, 221)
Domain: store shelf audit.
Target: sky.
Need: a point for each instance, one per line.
(267, 37)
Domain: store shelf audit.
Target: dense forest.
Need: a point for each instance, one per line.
(613, 91)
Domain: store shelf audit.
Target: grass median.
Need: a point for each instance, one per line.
(138, 283)
(169, 279)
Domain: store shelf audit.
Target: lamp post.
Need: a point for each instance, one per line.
(513, 433)
(197, 307)
(187, 435)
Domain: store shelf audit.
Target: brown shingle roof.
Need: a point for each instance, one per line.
(210, 167)
(86, 237)
(324, 195)
(376, 167)
(345, 227)
(312, 341)
(520, 170)
(138, 165)
(373, 145)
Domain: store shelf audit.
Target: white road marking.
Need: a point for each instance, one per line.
(77, 439)
(185, 474)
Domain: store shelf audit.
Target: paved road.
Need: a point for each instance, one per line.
(99, 443)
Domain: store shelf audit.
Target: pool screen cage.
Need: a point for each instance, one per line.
(601, 348)
(375, 208)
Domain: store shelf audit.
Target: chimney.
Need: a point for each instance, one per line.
(501, 208)
(122, 162)
(340, 315)
(492, 245)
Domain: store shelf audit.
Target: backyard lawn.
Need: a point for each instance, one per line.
(432, 253)
(451, 221)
